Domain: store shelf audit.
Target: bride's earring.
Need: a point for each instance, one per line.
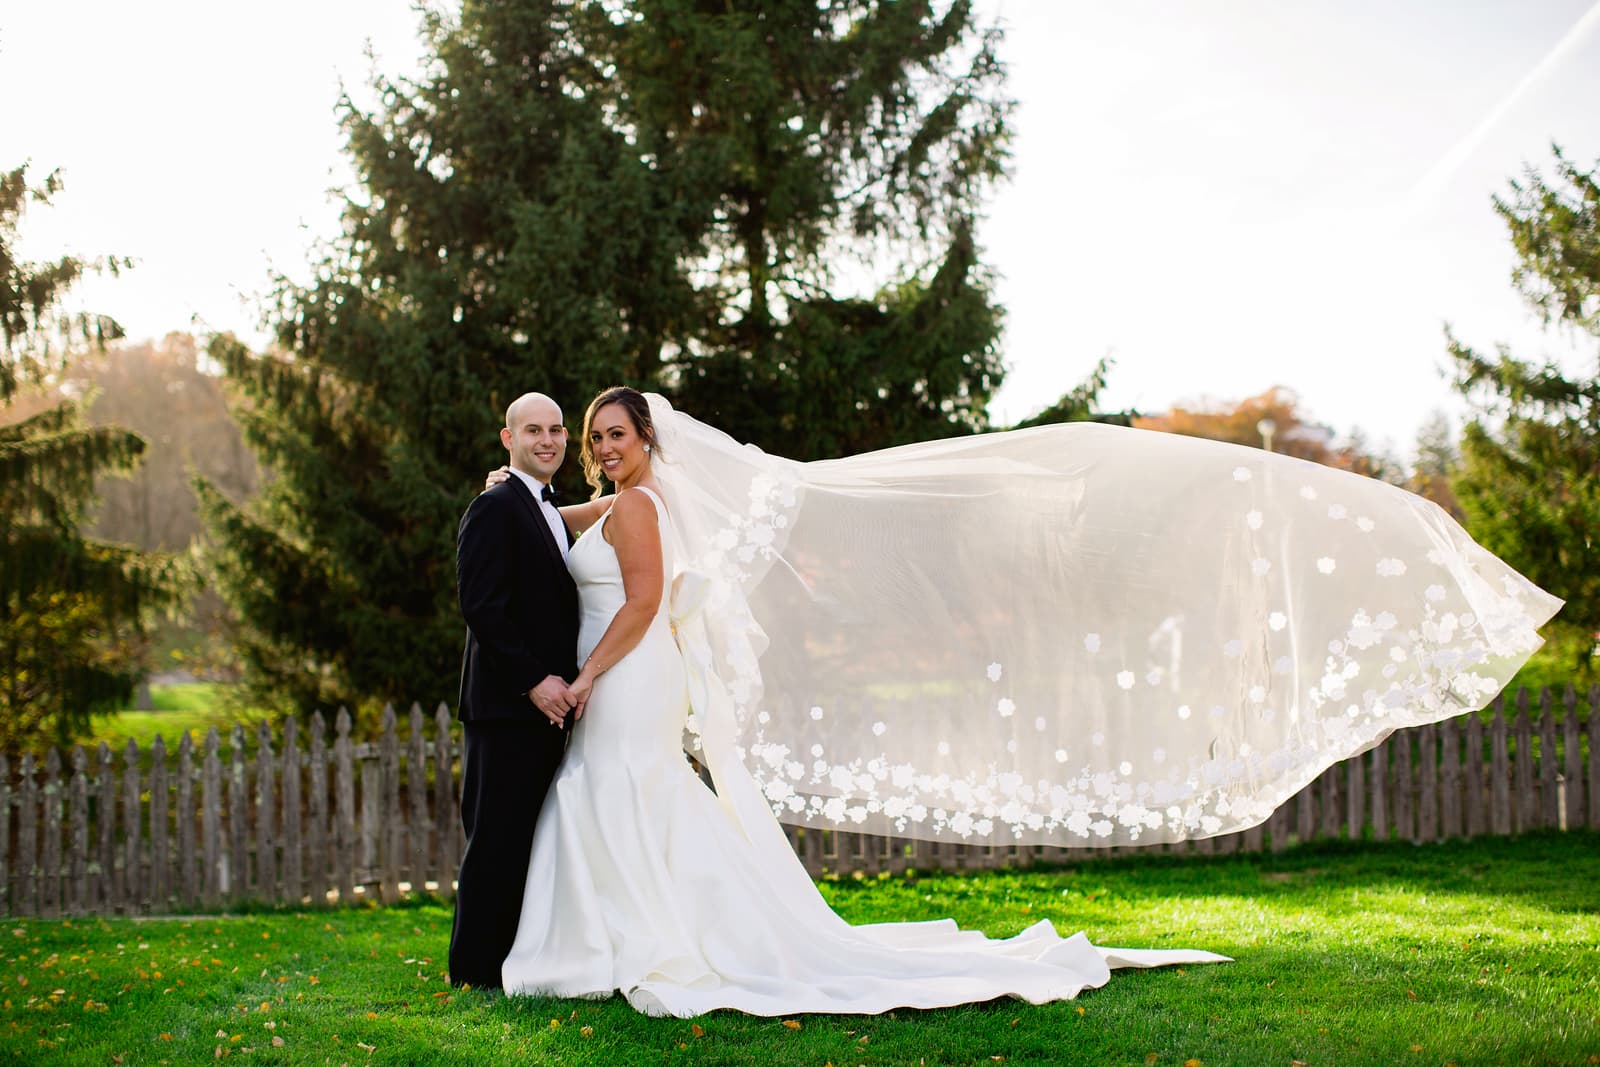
(647, 448)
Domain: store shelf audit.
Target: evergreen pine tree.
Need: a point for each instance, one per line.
(75, 609)
(1529, 480)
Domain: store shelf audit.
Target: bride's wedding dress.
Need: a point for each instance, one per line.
(643, 880)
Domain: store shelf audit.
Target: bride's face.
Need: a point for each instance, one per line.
(617, 445)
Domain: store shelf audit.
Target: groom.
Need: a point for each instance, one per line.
(521, 609)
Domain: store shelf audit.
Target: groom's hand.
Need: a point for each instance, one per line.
(552, 699)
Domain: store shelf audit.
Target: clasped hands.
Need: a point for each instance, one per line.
(555, 699)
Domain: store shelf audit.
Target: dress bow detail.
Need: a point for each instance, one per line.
(686, 611)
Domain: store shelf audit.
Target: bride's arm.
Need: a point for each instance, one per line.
(633, 532)
(579, 517)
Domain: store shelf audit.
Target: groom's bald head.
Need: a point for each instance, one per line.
(531, 401)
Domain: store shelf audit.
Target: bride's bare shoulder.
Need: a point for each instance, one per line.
(634, 510)
(643, 500)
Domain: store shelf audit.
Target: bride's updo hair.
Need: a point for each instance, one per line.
(638, 408)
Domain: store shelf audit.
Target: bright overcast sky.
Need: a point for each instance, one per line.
(1223, 195)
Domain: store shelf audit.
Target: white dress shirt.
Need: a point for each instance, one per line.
(552, 517)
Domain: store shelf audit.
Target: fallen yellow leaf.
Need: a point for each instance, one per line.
(1191, 1063)
(791, 1024)
(1416, 1048)
(372, 1015)
(697, 1030)
(587, 1031)
(1151, 1058)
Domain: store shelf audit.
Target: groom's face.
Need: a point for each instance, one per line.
(536, 439)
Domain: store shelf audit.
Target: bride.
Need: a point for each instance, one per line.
(1078, 634)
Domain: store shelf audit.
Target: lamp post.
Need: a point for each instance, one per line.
(1266, 428)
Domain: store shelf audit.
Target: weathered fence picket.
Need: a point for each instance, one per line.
(187, 883)
(236, 868)
(132, 824)
(25, 872)
(319, 869)
(1594, 758)
(344, 826)
(417, 828)
(266, 837)
(50, 854)
(293, 876)
(447, 842)
(1449, 779)
(1524, 786)
(1572, 815)
(80, 899)
(159, 865)
(1549, 769)
(6, 868)
(211, 859)
(391, 827)
(307, 820)
(110, 892)
(1499, 775)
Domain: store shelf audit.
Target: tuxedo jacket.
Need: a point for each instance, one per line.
(520, 604)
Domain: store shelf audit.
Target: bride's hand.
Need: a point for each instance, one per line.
(579, 691)
(496, 476)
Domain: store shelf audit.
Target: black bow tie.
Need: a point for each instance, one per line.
(551, 493)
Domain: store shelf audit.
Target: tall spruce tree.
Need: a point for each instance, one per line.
(838, 152)
(573, 195)
(1529, 480)
(75, 609)
(501, 237)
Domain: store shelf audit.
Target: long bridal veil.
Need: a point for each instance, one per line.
(1077, 634)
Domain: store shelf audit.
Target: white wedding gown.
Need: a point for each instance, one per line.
(645, 881)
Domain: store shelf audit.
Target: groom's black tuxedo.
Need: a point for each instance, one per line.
(521, 608)
(519, 602)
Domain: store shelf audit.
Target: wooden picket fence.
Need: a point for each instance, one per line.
(315, 822)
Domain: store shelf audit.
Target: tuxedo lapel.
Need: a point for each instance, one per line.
(526, 496)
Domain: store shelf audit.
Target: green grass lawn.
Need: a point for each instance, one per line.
(193, 708)
(1464, 953)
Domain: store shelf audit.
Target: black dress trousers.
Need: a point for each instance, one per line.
(506, 771)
